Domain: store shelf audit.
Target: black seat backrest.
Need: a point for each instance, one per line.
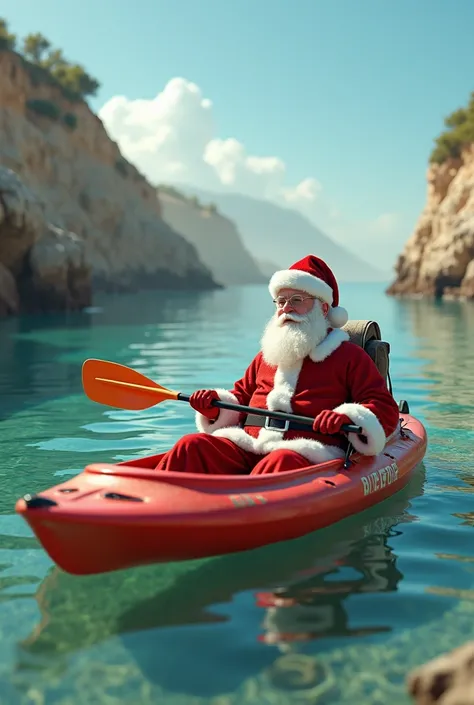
(367, 335)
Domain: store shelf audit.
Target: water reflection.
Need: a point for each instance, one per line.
(443, 369)
(444, 333)
(313, 608)
(163, 619)
(41, 357)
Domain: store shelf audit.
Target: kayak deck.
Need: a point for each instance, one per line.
(115, 516)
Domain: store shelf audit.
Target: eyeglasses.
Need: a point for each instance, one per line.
(295, 301)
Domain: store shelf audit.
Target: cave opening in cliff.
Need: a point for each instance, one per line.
(446, 282)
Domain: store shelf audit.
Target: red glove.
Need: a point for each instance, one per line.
(329, 422)
(202, 401)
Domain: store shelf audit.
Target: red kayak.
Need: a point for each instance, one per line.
(111, 517)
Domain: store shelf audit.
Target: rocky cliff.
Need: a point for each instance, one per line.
(446, 680)
(215, 237)
(42, 267)
(64, 160)
(438, 259)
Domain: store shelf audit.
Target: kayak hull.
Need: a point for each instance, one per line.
(116, 516)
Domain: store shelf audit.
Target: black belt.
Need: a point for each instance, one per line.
(275, 424)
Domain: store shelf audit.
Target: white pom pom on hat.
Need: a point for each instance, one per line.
(312, 274)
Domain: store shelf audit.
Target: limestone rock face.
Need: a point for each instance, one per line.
(59, 274)
(21, 220)
(42, 267)
(9, 297)
(437, 259)
(446, 680)
(78, 194)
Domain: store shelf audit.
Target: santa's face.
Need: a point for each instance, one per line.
(297, 327)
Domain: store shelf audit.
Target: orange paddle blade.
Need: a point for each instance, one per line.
(116, 385)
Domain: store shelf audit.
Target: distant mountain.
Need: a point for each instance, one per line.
(278, 235)
(214, 236)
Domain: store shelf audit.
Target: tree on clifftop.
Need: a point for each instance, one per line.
(34, 47)
(37, 50)
(7, 40)
(75, 79)
(459, 134)
(72, 77)
(53, 61)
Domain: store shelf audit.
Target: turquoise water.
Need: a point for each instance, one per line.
(364, 601)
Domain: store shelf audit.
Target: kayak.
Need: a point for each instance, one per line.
(118, 516)
(194, 587)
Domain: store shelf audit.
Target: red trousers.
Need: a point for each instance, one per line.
(204, 453)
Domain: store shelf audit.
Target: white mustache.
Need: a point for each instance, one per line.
(295, 317)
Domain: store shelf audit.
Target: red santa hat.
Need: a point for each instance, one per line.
(312, 274)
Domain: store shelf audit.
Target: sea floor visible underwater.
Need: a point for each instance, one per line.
(338, 616)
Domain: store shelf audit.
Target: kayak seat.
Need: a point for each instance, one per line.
(367, 335)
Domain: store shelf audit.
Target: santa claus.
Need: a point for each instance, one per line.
(306, 366)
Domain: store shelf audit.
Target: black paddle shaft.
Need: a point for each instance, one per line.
(347, 428)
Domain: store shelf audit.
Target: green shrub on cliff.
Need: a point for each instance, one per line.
(121, 167)
(51, 110)
(191, 200)
(172, 191)
(459, 134)
(7, 40)
(44, 107)
(70, 120)
(75, 82)
(48, 65)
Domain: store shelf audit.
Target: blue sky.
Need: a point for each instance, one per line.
(350, 92)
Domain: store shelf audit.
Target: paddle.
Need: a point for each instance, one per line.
(116, 385)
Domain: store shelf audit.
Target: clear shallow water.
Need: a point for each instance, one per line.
(335, 617)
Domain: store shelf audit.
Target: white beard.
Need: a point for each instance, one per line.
(285, 345)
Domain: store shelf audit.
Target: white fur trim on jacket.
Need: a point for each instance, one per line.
(371, 427)
(330, 343)
(314, 451)
(284, 385)
(297, 279)
(226, 416)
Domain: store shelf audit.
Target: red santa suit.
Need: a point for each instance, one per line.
(337, 375)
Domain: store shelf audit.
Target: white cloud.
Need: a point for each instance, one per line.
(163, 137)
(235, 168)
(172, 138)
(306, 191)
